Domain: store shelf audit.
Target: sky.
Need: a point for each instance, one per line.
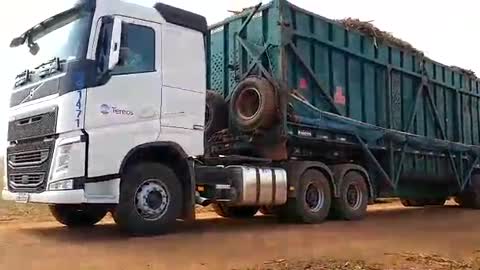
(446, 31)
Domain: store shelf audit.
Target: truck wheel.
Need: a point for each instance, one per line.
(353, 201)
(313, 199)
(470, 197)
(253, 104)
(225, 211)
(216, 113)
(151, 200)
(77, 215)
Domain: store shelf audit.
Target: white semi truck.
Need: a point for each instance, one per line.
(114, 116)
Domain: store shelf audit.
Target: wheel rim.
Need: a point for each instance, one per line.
(248, 103)
(152, 199)
(353, 196)
(314, 197)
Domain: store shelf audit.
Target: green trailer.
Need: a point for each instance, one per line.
(341, 96)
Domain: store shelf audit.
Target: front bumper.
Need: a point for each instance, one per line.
(50, 197)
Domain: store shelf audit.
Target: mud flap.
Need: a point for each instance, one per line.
(189, 191)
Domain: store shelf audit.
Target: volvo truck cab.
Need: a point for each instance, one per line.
(106, 82)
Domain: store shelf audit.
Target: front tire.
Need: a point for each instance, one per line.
(77, 215)
(151, 200)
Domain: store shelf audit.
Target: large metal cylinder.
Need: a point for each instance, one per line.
(259, 186)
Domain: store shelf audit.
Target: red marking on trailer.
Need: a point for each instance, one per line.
(339, 97)
(303, 83)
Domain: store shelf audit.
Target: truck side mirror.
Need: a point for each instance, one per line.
(114, 57)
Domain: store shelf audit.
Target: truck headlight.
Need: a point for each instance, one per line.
(61, 185)
(69, 160)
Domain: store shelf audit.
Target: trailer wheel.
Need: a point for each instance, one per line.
(216, 113)
(151, 200)
(353, 201)
(78, 215)
(470, 197)
(313, 199)
(226, 211)
(253, 104)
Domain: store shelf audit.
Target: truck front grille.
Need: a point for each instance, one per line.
(26, 181)
(28, 165)
(30, 158)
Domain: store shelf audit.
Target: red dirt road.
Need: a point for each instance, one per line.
(214, 243)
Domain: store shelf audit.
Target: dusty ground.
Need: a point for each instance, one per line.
(392, 237)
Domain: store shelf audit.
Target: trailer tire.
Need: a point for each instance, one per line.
(216, 113)
(226, 211)
(470, 197)
(313, 199)
(353, 201)
(253, 104)
(77, 215)
(151, 200)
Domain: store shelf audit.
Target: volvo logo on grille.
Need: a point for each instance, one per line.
(32, 92)
(25, 179)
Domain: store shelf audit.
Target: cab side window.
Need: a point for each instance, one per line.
(137, 50)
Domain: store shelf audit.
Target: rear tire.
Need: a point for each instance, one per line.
(151, 200)
(216, 114)
(78, 215)
(253, 104)
(470, 197)
(353, 201)
(226, 211)
(313, 199)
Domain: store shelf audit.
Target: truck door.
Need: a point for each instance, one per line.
(184, 87)
(125, 111)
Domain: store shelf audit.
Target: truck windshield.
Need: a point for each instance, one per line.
(63, 36)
